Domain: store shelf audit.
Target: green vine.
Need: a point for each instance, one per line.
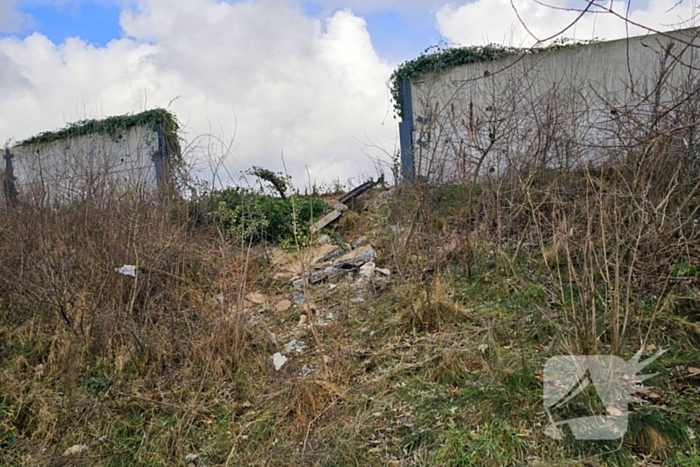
(279, 182)
(441, 57)
(115, 127)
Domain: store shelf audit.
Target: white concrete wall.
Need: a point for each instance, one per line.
(497, 108)
(94, 165)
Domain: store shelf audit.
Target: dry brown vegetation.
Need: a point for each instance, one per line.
(436, 366)
(441, 364)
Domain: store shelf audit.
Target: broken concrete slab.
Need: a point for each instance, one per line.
(337, 253)
(329, 218)
(355, 258)
(360, 190)
(317, 255)
(296, 264)
(318, 275)
(291, 265)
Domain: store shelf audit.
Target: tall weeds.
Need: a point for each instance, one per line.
(60, 291)
(593, 189)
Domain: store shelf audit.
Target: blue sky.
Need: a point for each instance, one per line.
(300, 84)
(397, 34)
(95, 22)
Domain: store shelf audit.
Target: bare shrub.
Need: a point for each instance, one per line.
(64, 304)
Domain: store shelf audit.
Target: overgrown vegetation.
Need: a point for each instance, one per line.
(442, 363)
(115, 127)
(245, 214)
(438, 58)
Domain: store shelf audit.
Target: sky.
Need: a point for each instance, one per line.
(295, 86)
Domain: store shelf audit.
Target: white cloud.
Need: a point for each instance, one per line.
(7, 8)
(279, 79)
(495, 21)
(10, 19)
(372, 6)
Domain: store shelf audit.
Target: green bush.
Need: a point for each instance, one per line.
(251, 215)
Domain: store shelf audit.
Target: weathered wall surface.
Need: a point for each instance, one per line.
(86, 166)
(476, 118)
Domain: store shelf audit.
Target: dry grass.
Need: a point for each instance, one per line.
(436, 366)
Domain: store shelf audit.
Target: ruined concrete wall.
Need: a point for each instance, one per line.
(484, 117)
(87, 166)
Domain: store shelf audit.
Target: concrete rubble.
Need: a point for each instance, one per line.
(367, 269)
(355, 258)
(321, 321)
(323, 240)
(341, 207)
(325, 260)
(283, 305)
(329, 218)
(294, 346)
(383, 272)
(256, 298)
(338, 263)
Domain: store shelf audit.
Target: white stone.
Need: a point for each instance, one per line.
(367, 270)
(279, 360)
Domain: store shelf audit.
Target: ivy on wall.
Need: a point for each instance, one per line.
(442, 57)
(115, 127)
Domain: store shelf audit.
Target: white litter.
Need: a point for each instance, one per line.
(78, 448)
(127, 270)
(279, 361)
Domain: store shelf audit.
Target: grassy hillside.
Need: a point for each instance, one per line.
(439, 364)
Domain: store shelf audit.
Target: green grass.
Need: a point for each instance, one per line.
(437, 367)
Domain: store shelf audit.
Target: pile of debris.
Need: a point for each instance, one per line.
(342, 205)
(327, 261)
(338, 262)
